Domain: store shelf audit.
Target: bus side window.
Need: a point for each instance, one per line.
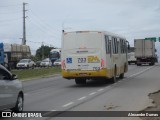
(107, 46)
(114, 45)
(123, 48)
(121, 45)
(118, 46)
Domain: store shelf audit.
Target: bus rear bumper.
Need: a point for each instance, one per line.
(85, 74)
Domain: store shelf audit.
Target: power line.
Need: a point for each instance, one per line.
(44, 43)
(39, 27)
(9, 24)
(42, 28)
(10, 20)
(34, 42)
(13, 5)
(12, 12)
(42, 25)
(41, 20)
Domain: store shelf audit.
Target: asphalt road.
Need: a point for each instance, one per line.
(58, 94)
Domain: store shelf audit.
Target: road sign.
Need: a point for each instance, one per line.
(151, 38)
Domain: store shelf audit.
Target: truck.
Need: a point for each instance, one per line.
(131, 58)
(145, 51)
(11, 54)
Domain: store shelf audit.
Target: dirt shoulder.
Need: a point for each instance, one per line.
(156, 101)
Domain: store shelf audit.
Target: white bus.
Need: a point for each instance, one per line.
(55, 55)
(93, 55)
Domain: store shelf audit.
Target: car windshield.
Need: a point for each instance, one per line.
(45, 60)
(23, 61)
(54, 54)
(58, 60)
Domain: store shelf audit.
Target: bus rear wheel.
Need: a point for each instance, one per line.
(121, 76)
(80, 81)
(113, 79)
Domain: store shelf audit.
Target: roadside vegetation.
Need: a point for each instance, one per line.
(29, 74)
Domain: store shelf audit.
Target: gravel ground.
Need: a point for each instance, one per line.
(156, 101)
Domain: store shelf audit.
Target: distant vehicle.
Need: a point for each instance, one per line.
(156, 58)
(145, 51)
(131, 58)
(46, 63)
(10, 54)
(93, 55)
(57, 62)
(11, 91)
(54, 55)
(26, 63)
(38, 63)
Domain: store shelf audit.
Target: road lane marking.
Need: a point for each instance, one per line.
(68, 104)
(82, 98)
(100, 90)
(140, 72)
(109, 86)
(92, 93)
(53, 110)
(25, 94)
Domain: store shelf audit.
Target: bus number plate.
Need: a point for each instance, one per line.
(96, 68)
(83, 74)
(81, 60)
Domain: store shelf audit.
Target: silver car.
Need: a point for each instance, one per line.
(46, 63)
(57, 62)
(11, 91)
(26, 63)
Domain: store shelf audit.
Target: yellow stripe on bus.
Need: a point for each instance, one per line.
(108, 73)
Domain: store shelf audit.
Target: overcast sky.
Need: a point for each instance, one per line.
(46, 18)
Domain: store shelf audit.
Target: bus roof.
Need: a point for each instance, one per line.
(104, 32)
(56, 50)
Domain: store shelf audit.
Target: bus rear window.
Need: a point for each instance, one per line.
(82, 40)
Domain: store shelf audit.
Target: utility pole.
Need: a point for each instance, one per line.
(24, 25)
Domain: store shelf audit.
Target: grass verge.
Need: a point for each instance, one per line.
(28, 74)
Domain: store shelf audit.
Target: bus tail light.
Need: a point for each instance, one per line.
(102, 63)
(63, 64)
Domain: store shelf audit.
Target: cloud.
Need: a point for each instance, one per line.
(46, 19)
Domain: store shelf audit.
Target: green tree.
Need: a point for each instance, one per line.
(43, 52)
(34, 58)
